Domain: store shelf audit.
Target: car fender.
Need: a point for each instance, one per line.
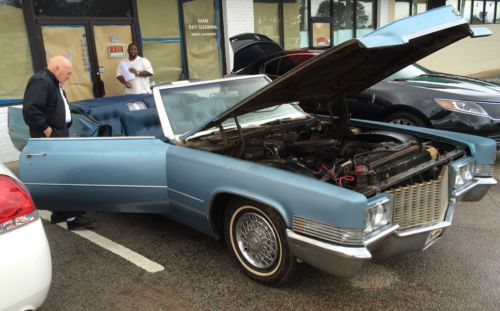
(246, 194)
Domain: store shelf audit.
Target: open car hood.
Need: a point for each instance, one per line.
(357, 64)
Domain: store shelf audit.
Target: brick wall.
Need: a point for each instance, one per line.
(238, 18)
(7, 151)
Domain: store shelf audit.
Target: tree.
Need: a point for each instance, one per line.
(342, 14)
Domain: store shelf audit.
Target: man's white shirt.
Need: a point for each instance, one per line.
(140, 85)
(66, 106)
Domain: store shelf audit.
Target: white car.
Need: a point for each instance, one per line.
(25, 262)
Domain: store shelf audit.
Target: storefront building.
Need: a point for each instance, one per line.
(183, 39)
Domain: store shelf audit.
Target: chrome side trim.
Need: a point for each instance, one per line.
(347, 252)
(484, 170)
(118, 186)
(28, 155)
(95, 185)
(187, 195)
(328, 232)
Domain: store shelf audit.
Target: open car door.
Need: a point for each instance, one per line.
(120, 174)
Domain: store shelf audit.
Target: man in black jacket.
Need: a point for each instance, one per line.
(46, 111)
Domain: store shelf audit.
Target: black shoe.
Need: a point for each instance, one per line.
(80, 222)
(57, 217)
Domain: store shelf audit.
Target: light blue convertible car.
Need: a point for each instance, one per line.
(238, 159)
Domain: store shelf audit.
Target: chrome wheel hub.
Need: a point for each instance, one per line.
(256, 240)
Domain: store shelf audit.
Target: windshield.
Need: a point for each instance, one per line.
(192, 105)
(408, 72)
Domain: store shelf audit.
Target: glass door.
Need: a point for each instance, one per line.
(321, 23)
(111, 43)
(71, 41)
(203, 36)
(321, 34)
(95, 50)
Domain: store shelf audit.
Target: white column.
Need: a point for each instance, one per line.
(238, 18)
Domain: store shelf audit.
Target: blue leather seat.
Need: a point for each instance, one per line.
(143, 122)
(108, 110)
(149, 101)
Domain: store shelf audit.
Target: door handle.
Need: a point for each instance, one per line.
(29, 155)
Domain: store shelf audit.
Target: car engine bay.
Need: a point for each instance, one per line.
(366, 161)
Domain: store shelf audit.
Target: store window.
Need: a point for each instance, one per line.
(418, 6)
(266, 18)
(203, 38)
(365, 21)
(161, 38)
(497, 12)
(478, 11)
(452, 2)
(489, 11)
(284, 21)
(405, 8)
(343, 21)
(321, 8)
(295, 24)
(331, 21)
(16, 58)
(402, 9)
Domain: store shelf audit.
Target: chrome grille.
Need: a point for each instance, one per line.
(327, 232)
(422, 203)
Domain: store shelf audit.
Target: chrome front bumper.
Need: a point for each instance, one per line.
(345, 261)
(475, 190)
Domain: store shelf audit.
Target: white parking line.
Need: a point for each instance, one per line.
(120, 250)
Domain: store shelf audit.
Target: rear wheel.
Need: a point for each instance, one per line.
(405, 118)
(255, 236)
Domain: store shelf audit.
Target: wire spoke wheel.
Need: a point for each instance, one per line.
(256, 240)
(255, 236)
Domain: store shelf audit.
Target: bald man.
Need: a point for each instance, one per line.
(45, 107)
(46, 111)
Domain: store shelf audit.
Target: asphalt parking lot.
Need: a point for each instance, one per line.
(459, 272)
